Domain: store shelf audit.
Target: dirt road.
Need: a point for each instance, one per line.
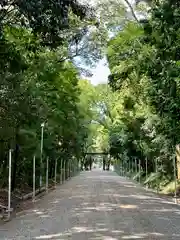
(97, 205)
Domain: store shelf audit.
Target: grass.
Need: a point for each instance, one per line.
(155, 180)
(170, 188)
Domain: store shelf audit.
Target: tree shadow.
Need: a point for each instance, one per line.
(78, 233)
(116, 211)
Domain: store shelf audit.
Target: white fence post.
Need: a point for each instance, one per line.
(74, 167)
(139, 171)
(64, 167)
(157, 188)
(34, 178)
(68, 169)
(61, 176)
(132, 167)
(55, 172)
(175, 180)
(71, 168)
(47, 165)
(122, 168)
(9, 187)
(146, 172)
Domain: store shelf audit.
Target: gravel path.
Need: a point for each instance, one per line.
(98, 206)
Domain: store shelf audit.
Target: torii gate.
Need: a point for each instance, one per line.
(89, 158)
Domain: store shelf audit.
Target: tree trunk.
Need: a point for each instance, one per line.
(104, 165)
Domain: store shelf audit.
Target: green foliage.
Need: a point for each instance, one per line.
(35, 87)
(135, 117)
(47, 19)
(144, 64)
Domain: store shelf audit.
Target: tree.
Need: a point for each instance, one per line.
(143, 60)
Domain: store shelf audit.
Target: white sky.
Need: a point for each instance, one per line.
(100, 73)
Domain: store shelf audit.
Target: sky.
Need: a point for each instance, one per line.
(100, 73)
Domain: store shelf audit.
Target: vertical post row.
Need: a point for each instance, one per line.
(64, 170)
(55, 173)
(132, 167)
(175, 180)
(34, 178)
(41, 152)
(139, 171)
(156, 172)
(70, 168)
(9, 187)
(61, 179)
(47, 165)
(146, 171)
(122, 168)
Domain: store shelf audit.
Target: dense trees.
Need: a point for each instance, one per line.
(46, 19)
(135, 116)
(39, 84)
(144, 63)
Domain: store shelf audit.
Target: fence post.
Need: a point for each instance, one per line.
(127, 166)
(55, 172)
(73, 162)
(139, 171)
(120, 168)
(9, 187)
(132, 167)
(175, 180)
(71, 167)
(47, 165)
(123, 168)
(124, 163)
(75, 167)
(156, 172)
(146, 173)
(68, 170)
(61, 177)
(34, 178)
(64, 170)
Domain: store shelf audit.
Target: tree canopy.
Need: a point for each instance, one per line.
(144, 63)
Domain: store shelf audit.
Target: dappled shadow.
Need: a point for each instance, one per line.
(82, 233)
(102, 207)
(143, 209)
